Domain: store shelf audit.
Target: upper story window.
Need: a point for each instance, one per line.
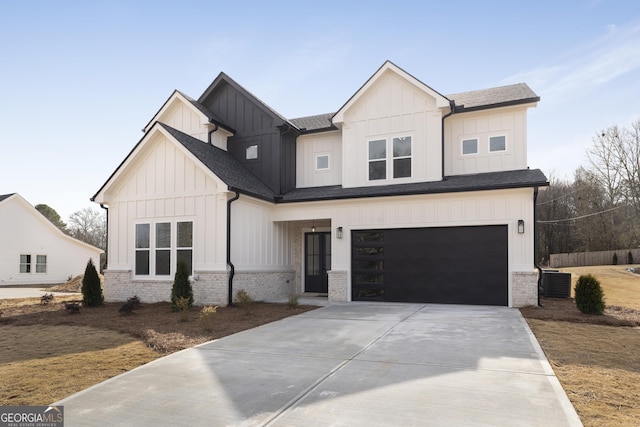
(497, 143)
(252, 152)
(399, 163)
(402, 157)
(470, 146)
(322, 162)
(377, 159)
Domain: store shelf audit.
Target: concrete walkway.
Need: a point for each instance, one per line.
(346, 364)
(26, 292)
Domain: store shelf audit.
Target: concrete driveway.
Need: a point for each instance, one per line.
(346, 364)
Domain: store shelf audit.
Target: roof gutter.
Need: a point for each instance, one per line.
(452, 106)
(211, 132)
(535, 242)
(232, 268)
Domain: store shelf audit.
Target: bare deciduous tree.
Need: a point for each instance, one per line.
(89, 226)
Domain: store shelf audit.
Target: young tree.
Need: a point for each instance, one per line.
(91, 288)
(52, 216)
(181, 286)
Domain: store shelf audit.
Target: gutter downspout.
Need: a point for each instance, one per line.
(232, 271)
(535, 242)
(106, 241)
(452, 106)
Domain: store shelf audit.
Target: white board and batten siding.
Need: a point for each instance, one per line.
(392, 107)
(308, 149)
(167, 185)
(509, 122)
(25, 231)
(498, 207)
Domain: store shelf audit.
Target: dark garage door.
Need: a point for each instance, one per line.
(450, 265)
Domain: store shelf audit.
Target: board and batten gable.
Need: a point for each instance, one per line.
(163, 183)
(311, 152)
(478, 128)
(259, 143)
(392, 106)
(25, 231)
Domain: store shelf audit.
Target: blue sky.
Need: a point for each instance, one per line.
(79, 79)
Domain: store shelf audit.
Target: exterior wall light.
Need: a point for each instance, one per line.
(339, 232)
(521, 226)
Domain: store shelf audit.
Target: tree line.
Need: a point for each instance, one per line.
(600, 208)
(87, 225)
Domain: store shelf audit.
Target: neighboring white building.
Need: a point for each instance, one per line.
(34, 251)
(403, 194)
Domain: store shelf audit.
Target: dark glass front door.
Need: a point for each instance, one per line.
(317, 260)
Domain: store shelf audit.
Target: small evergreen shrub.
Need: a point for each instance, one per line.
(91, 288)
(181, 286)
(130, 305)
(589, 296)
(183, 306)
(244, 300)
(207, 317)
(615, 259)
(629, 258)
(293, 300)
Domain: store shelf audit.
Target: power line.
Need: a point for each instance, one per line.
(580, 217)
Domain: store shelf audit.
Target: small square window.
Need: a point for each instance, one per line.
(497, 143)
(322, 162)
(252, 152)
(470, 146)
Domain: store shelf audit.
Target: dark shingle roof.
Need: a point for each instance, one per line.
(314, 123)
(207, 112)
(228, 169)
(494, 97)
(452, 184)
(5, 196)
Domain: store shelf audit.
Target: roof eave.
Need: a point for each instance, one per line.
(532, 101)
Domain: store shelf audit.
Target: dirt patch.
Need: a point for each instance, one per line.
(565, 310)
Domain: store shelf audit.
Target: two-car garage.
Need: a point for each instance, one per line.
(451, 265)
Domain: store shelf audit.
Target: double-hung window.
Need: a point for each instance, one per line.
(394, 161)
(160, 245)
(41, 263)
(25, 263)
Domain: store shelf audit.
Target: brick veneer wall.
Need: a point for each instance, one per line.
(524, 288)
(338, 285)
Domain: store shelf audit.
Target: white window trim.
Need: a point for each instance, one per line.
(246, 152)
(389, 158)
(462, 140)
(152, 248)
(328, 156)
(506, 143)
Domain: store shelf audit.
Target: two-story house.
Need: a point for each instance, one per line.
(403, 194)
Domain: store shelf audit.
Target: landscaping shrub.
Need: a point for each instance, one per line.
(615, 259)
(244, 300)
(588, 295)
(91, 288)
(181, 286)
(129, 305)
(293, 300)
(206, 317)
(629, 258)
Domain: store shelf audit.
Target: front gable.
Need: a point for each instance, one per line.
(391, 129)
(158, 165)
(263, 141)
